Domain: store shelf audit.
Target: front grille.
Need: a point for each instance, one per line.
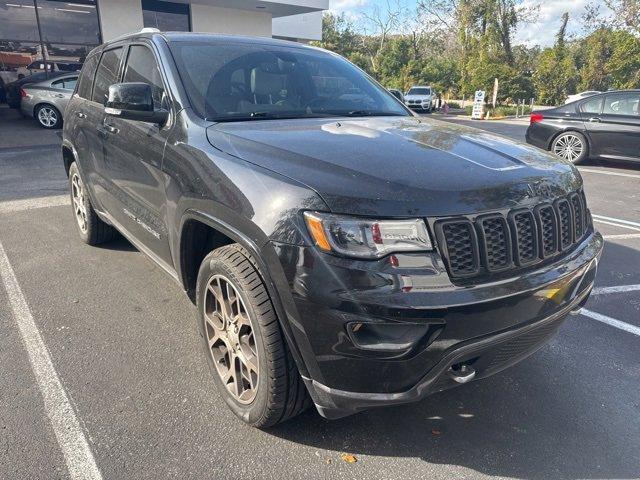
(523, 237)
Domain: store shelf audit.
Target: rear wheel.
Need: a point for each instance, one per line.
(570, 146)
(48, 116)
(249, 360)
(91, 229)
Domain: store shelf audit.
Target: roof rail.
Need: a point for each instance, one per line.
(144, 30)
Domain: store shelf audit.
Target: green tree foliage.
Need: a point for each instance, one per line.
(459, 46)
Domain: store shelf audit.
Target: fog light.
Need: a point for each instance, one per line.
(386, 336)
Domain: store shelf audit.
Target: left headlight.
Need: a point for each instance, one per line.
(366, 238)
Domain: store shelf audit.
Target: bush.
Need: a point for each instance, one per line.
(453, 105)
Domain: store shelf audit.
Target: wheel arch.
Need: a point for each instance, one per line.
(193, 226)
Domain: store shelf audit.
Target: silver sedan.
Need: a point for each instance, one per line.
(46, 100)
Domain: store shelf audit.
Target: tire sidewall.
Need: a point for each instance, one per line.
(85, 236)
(58, 123)
(585, 146)
(252, 412)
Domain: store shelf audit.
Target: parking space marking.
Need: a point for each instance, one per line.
(31, 203)
(65, 424)
(607, 172)
(622, 236)
(614, 224)
(618, 220)
(611, 321)
(616, 289)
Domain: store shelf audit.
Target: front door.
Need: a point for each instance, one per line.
(615, 129)
(133, 152)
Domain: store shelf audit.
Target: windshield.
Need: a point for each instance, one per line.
(419, 91)
(231, 82)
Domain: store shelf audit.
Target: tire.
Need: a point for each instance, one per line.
(570, 146)
(275, 392)
(48, 116)
(91, 229)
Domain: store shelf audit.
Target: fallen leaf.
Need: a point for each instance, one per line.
(347, 457)
(435, 431)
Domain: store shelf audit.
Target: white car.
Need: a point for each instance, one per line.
(580, 96)
(420, 98)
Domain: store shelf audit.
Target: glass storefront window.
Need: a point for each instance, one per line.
(166, 16)
(69, 22)
(18, 20)
(69, 29)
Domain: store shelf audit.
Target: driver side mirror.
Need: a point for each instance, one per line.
(134, 101)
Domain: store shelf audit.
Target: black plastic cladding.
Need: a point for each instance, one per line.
(524, 237)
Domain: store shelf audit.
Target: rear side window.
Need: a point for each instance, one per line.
(592, 106)
(107, 74)
(622, 104)
(86, 77)
(65, 83)
(142, 67)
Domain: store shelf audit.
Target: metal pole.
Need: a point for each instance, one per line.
(43, 49)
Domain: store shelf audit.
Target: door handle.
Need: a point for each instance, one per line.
(81, 115)
(110, 128)
(594, 120)
(59, 95)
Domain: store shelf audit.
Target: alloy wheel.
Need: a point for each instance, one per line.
(79, 206)
(569, 147)
(47, 116)
(230, 338)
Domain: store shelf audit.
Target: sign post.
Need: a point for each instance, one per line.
(477, 112)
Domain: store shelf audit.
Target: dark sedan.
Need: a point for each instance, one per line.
(604, 126)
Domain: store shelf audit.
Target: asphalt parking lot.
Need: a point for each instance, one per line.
(122, 349)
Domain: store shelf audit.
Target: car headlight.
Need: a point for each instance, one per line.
(366, 238)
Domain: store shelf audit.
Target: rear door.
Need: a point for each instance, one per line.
(77, 128)
(61, 92)
(133, 152)
(613, 124)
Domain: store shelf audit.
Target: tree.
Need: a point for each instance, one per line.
(555, 74)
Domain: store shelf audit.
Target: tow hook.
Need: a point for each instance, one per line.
(461, 373)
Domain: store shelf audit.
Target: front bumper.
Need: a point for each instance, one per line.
(484, 357)
(440, 324)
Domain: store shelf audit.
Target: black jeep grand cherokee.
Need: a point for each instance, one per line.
(340, 250)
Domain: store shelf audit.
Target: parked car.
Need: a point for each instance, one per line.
(397, 93)
(340, 252)
(604, 126)
(581, 95)
(45, 101)
(420, 98)
(13, 88)
(51, 66)
(3, 91)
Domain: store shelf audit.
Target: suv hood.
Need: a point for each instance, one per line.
(399, 166)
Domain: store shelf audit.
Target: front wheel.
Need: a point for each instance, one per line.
(570, 146)
(249, 360)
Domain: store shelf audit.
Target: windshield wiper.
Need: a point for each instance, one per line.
(372, 113)
(265, 115)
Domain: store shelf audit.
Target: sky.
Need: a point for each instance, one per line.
(542, 32)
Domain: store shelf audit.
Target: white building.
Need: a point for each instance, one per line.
(66, 30)
(296, 19)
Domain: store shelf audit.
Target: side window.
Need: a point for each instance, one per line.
(106, 75)
(142, 67)
(622, 104)
(65, 83)
(86, 77)
(592, 106)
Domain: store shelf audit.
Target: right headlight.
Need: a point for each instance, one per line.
(366, 238)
